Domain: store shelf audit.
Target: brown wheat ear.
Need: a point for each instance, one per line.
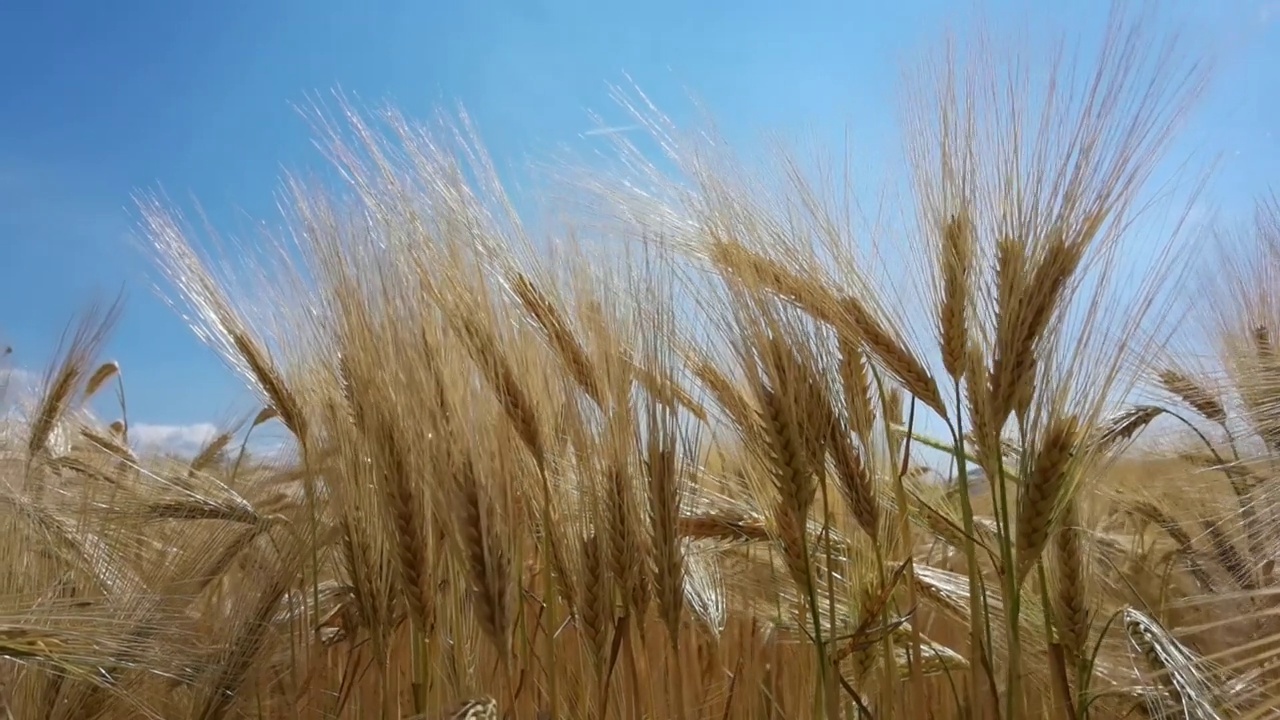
(956, 263)
(562, 339)
(794, 482)
(855, 380)
(662, 467)
(503, 380)
(212, 449)
(1194, 394)
(595, 597)
(488, 560)
(105, 372)
(1180, 537)
(63, 381)
(1071, 603)
(1041, 492)
(855, 482)
(273, 385)
(1228, 556)
(1125, 425)
(899, 361)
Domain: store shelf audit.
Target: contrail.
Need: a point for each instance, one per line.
(611, 130)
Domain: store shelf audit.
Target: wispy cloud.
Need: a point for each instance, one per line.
(612, 130)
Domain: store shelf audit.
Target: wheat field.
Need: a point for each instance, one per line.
(705, 449)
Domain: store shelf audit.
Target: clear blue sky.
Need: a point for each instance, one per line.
(99, 100)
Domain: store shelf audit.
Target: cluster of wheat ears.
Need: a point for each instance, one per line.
(712, 452)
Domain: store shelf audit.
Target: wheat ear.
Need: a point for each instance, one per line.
(956, 264)
(900, 362)
(1070, 596)
(1041, 492)
(562, 339)
(1194, 394)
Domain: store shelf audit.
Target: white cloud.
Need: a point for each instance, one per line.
(171, 437)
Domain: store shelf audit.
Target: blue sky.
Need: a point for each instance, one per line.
(98, 101)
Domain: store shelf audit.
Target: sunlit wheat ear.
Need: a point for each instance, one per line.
(72, 464)
(668, 392)
(481, 708)
(855, 381)
(626, 555)
(724, 528)
(1010, 278)
(108, 444)
(63, 381)
(1258, 376)
(104, 373)
(503, 380)
(488, 561)
(1194, 394)
(723, 390)
(847, 314)
(267, 375)
(1231, 560)
(192, 507)
(956, 266)
(1180, 537)
(895, 416)
(571, 352)
(662, 466)
(264, 415)
(1124, 426)
(758, 271)
(892, 354)
(1030, 295)
(1071, 603)
(983, 433)
(595, 599)
(788, 455)
(398, 495)
(1041, 492)
(1172, 665)
(855, 482)
(209, 453)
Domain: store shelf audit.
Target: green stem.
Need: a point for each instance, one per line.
(1012, 602)
(979, 613)
(815, 614)
(904, 530)
(955, 448)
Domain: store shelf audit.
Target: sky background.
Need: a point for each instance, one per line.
(99, 101)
